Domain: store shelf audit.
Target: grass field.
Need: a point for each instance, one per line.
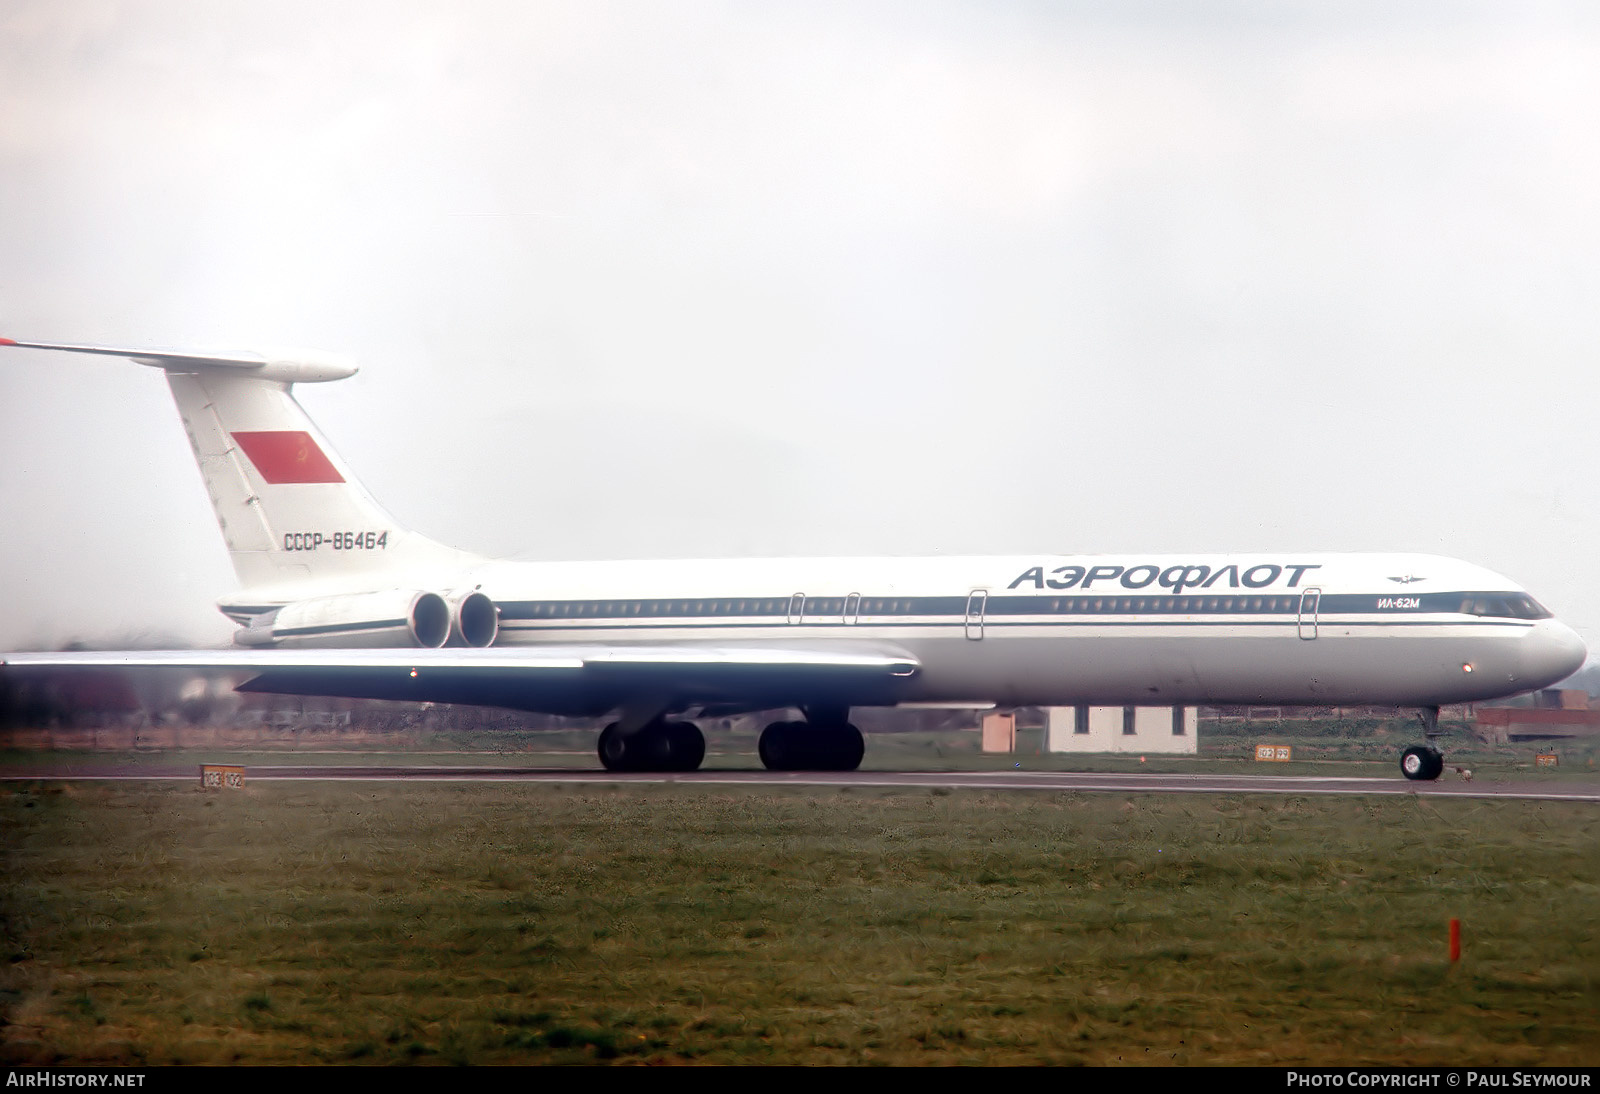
(1371, 749)
(501, 923)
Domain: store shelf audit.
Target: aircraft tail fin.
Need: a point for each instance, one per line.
(290, 510)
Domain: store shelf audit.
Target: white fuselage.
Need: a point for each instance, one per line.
(339, 599)
(1117, 629)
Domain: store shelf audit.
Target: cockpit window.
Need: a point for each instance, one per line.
(1504, 606)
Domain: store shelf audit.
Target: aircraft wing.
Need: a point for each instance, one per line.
(575, 679)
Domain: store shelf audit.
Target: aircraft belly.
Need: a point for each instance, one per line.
(1027, 666)
(1141, 669)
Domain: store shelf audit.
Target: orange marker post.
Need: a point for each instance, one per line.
(1455, 941)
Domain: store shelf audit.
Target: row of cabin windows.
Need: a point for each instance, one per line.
(817, 609)
(1079, 605)
(573, 609)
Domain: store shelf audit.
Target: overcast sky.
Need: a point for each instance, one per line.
(677, 280)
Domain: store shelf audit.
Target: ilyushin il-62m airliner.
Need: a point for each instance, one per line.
(336, 599)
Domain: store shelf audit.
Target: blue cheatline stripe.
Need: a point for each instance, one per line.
(1122, 609)
(337, 628)
(825, 609)
(835, 626)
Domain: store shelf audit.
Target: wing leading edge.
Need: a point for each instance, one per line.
(576, 680)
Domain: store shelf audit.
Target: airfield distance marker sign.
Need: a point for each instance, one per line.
(217, 776)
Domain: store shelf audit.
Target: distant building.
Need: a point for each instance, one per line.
(1502, 725)
(1122, 729)
(1550, 714)
(1563, 698)
(999, 732)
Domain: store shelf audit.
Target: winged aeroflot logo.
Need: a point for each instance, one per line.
(1406, 579)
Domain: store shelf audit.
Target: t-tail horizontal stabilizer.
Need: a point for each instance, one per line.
(292, 514)
(298, 367)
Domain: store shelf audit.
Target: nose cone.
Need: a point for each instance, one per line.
(1554, 653)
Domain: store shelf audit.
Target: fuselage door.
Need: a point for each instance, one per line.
(797, 608)
(852, 608)
(1310, 600)
(977, 601)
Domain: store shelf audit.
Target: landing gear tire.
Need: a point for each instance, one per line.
(778, 746)
(662, 746)
(1421, 763)
(848, 748)
(686, 744)
(803, 746)
(613, 749)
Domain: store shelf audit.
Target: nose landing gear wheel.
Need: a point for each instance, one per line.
(1421, 763)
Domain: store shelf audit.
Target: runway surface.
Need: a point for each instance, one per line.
(1073, 782)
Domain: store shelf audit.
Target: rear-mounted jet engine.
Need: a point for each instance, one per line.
(398, 617)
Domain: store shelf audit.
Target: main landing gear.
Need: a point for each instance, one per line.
(659, 745)
(1423, 763)
(825, 741)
